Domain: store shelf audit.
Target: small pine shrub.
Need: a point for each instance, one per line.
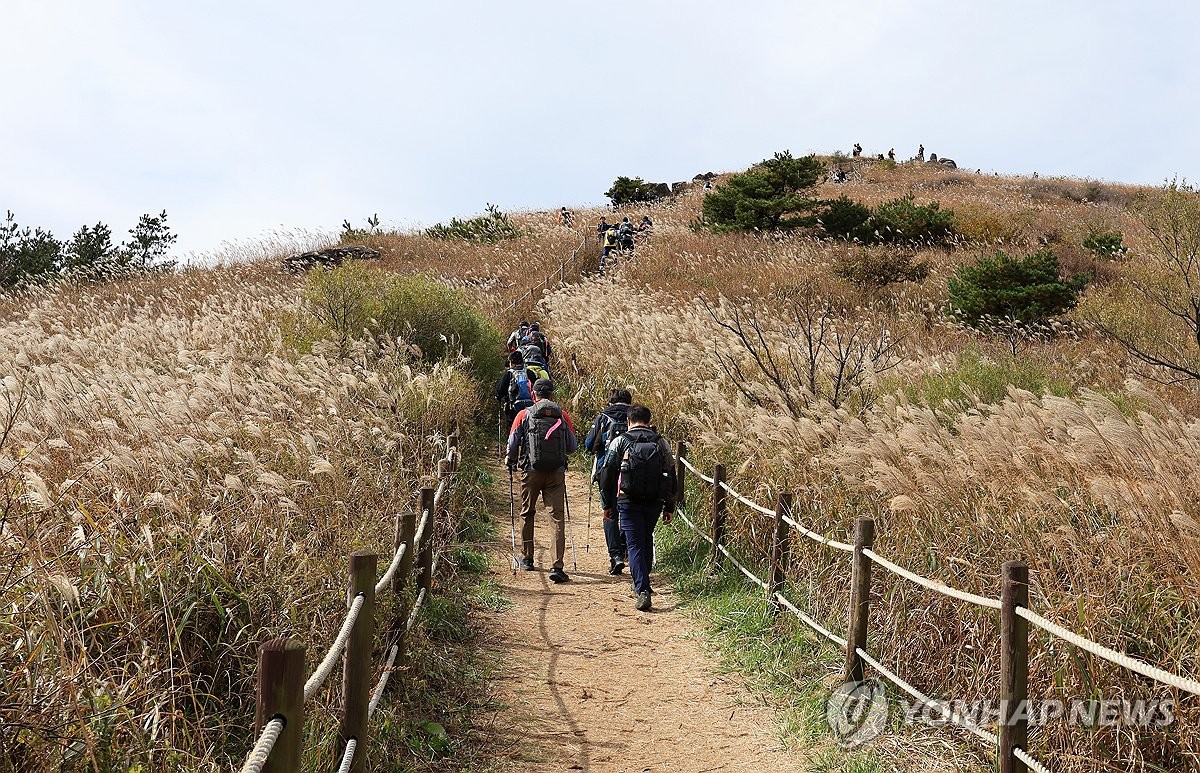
(492, 227)
(900, 221)
(847, 219)
(770, 196)
(1106, 244)
(1000, 286)
(630, 190)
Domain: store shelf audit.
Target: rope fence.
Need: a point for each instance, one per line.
(282, 689)
(568, 270)
(1013, 606)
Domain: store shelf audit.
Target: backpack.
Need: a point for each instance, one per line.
(520, 390)
(545, 437)
(644, 473)
(537, 338)
(612, 427)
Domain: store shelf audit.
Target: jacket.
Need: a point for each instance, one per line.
(610, 470)
(518, 434)
(597, 437)
(533, 371)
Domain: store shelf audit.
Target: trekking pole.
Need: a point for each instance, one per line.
(512, 517)
(500, 431)
(591, 485)
(570, 528)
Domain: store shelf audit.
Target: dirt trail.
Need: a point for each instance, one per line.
(594, 685)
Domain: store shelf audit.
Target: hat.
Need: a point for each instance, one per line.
(535, 326)
(543, 386)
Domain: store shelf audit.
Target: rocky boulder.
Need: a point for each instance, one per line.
(334, 256)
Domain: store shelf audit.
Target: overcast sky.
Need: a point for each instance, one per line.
(243, 118)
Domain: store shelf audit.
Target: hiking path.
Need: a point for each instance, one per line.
(588, 683)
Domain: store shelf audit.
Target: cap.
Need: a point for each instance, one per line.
(543, 386)
(535, 326)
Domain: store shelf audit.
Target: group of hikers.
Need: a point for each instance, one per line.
(632, 465)
(620, 237)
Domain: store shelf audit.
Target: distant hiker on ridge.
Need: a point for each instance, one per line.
(566, 217)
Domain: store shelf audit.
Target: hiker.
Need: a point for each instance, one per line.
(566, 217)
(602, 228)
(891, 154)
(637, 484)
(645, 225)
(625, 235)
(611, 423)
(516, 336)
(921, 152)
(610, 244)
(857, 150)
(539, 442)
(515, 388)
(535, 337)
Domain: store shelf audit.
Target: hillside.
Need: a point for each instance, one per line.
(186, 459)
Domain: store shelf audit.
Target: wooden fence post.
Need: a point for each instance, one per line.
(452, 444)
(718, 517)
(779, 551)
(425, 549)
(1014, 666)
(281, 693)
(356, 675)
(680, 481)
(407, 526)
(860, 600)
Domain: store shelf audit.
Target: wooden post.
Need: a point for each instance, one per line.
(860, 600)
(356, 675)
(425, 549)
(443, 469)
(281, 693)
(779, 551)
(680, 481)
(718, 517)
(406, 526)
(1014, 666)
(452, 445)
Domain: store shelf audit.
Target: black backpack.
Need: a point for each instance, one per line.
(611, 427)
(537, 338)
(644, 473)
(545, 436)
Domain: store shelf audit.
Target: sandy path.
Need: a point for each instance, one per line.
(592, 684)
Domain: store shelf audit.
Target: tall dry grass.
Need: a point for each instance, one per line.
(176, 485)
(1091, 476)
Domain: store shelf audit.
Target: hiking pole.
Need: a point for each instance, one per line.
(512, 517)
(570, 528)
(591, 485)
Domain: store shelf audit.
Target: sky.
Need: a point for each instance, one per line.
(249, 119)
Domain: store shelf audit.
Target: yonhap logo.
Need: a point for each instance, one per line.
(857, 712)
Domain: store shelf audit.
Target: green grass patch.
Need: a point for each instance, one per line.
(987, 378)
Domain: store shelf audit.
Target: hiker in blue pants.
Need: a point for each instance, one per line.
(610, 423)
(637, 482)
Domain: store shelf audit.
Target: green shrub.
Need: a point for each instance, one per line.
(847, 219)
(630, 190)
(492, 227)
(903, 220)
(1000, 286)
(769, 196)
(353, 301)
(1105, 244)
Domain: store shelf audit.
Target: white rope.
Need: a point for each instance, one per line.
(262, 749)
(441, 489)
(383, 680)
(689, 523)
(391, 570)
(813, 624)
(416, 610)
(815, 537)
(348, 757)
(925, 700)
(699, 474)
(932, 585)
(749, 574)
(420, 533)
(1121, 659)
(747, 502)
(335, 650)
(1030, 762)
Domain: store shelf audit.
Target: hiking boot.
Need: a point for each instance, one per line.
(615, 568)
(558, 575)
(527, 564)
(643, 601)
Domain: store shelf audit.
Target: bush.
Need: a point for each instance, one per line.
(900, 221)
(1105, 244)
(630, 190)
(436, 321)
(847, 219)
(1027, 289)
(492, 227)
(768, 196)
(879, 268)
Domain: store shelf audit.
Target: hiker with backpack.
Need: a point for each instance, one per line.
(515, 388)
(637, 485)
(515, 337)
(610, 423)
(535, 337)
(539, 443)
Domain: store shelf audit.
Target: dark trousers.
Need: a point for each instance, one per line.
(615, 539)
(637, 523)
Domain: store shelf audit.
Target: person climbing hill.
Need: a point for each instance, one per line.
(611, 423)
(540, 441)
(517, 336)
(514, 391)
